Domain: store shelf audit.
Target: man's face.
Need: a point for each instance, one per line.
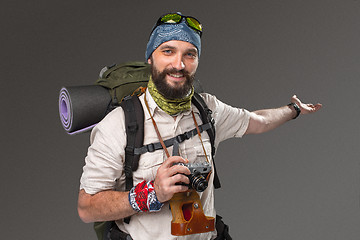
(174, 65)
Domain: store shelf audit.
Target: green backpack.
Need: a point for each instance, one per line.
(123, 79)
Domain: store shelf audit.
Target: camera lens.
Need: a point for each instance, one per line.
(198, 182)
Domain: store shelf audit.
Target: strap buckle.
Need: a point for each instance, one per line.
(150, 147)
(180, 138)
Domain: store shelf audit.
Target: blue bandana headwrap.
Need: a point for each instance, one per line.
(168, 32)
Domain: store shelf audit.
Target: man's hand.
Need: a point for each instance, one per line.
(306, 108)
(168, 175)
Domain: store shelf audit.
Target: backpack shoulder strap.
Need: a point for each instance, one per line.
(206, 117)
(134, 123)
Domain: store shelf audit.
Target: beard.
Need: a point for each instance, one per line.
(177, 92)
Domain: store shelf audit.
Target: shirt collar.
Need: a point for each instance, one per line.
(151, 103)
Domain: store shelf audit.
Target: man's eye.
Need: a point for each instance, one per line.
(167, 51)
(191, 55)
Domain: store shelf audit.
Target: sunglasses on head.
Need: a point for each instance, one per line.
(176, 18)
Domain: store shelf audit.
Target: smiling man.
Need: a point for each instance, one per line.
(174, 70)
(173, 51)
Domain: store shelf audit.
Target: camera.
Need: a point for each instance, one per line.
(198, 175)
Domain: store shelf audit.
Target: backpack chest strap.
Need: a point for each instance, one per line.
(170, 142)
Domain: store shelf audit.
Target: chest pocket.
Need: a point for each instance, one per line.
(148, 166)
(200, 154)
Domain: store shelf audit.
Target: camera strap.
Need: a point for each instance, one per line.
(199, 134)
(156, 128)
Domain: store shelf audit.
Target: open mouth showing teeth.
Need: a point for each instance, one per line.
(176, 75)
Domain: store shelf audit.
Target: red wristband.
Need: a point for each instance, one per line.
(142, 197)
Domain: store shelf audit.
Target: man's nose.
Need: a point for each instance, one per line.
(178, 62)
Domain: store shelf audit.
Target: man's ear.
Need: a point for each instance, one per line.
(149, 60)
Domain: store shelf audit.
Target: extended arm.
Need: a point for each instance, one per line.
(267, 119)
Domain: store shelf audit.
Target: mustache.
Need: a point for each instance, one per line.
(176, 71)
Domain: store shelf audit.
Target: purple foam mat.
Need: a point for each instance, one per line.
(82, 107)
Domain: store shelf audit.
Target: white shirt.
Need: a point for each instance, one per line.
(104, 163)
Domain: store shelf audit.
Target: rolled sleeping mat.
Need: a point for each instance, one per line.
(82, 107)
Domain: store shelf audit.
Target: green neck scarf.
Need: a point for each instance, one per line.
(170, 106)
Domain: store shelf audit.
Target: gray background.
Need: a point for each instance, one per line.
(298, 182)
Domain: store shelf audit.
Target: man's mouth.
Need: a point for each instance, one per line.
(176, 75)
